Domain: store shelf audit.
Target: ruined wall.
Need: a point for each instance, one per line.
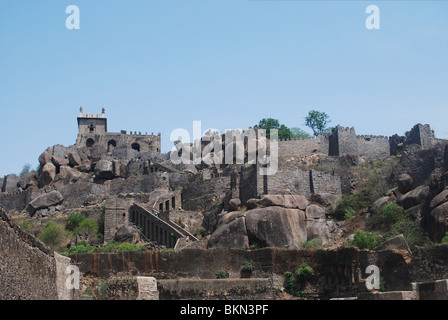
(374, 147)
(298, 148)
(29, 270)
(18, 200)
(290, 179)
(337, 273)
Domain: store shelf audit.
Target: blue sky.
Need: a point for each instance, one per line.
(160, 65)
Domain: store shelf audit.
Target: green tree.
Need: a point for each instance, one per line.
(87, 225)
(268, 124)
(317, 121)
(74, 220)
(299, 133)
(284, 132)
(26, 168)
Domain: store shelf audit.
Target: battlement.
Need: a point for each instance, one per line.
(93, 132)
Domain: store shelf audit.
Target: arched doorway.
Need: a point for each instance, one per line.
(111, 145)
(135, 146)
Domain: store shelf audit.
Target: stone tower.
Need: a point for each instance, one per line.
(92, 123)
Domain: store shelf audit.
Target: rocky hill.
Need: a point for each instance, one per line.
(321, 197)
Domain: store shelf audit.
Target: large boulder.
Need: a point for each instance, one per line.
(234, 204)
(320, 228)
(285, 201)
(395, 243)
(48, 174)
(44, 201)
(58, 161)
(228, 217)
(44, 158)
(232, 235)
(439, 199)
(127, 234)
(413, 197)
(74, 159)
(405, 183)
(437, 222)
(313, 211)
(104, 169)
(276, 227)
(325, 199)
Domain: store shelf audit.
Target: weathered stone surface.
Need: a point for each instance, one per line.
(437, 222)
(127, 234)
(272, 200)
(47, 175)
(252, 204)
(439, 199)
(234, 204)
(104, 169)
(228, 217)
(415, 212)
(285, 201)
(57, 161)
(232, 235)
(395, 243)
(405, 183)
(314, 211)
(74, 159)
(296, 202)
(318, 228)
(414, 197)
(44, 158)
(276, 227)
(44, 201)
(325, 199)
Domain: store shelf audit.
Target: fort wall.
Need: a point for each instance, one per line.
(29, 270)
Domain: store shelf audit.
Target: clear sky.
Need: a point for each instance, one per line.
(159, 65)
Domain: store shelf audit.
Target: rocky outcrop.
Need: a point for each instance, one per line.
(45, 201)
(127, 234)
(395, 243)
(48, 174)
(104, 169)
(276, 221)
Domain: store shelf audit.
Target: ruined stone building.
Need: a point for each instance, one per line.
(93, 131)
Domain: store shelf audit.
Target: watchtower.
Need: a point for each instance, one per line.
(93, 123)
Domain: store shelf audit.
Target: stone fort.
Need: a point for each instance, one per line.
(93, 131)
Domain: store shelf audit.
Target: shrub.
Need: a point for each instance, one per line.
(74, 220)
(222, 275)
(304, 272)
(313, 244)
(366, 240)
(413, 234)
(391, 213)
(445, 238)
(111, 246)
(247, 266)
(53, 235)
(88, 225)
(351, 204)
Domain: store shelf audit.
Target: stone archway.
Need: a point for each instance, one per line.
(136, 146)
